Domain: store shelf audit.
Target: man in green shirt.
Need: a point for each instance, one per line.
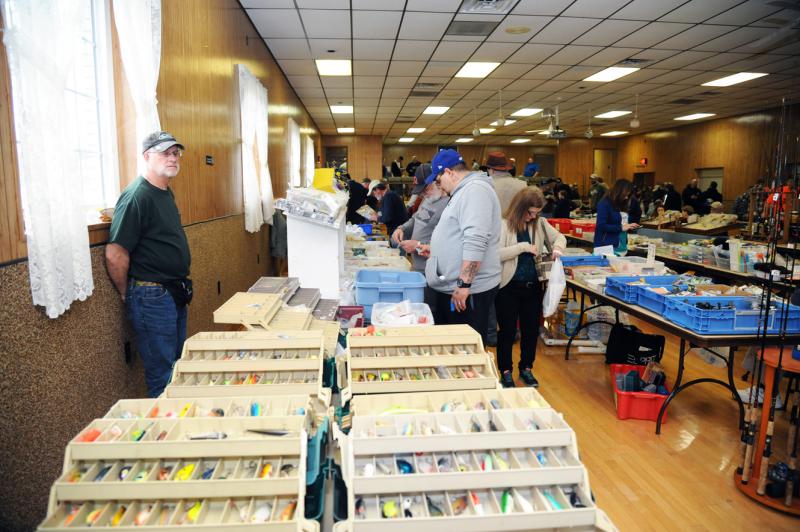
(148, 260)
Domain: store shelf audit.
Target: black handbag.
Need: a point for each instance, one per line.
(628, 345)
(180, 290)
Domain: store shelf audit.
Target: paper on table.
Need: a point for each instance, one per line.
(603, 251)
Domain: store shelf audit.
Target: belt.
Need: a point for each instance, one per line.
(137, 282)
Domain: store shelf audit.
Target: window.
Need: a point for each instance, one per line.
(90, 90)
(295, 179)
(309, 160)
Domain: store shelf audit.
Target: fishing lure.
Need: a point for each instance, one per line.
(433, 509)
(266, 470)
(408, 502)
(118, 515)
(361, 509)
(459, 504)
(445, 466)
(476, 503)
(552, 500)
(475, 426)
(286, 470)
(262, 513)
(288, 511)
(208, 436)
(404, 467)
(389, 509)
(185, 472)
(506, 502)
(501, 464)
(143, 515)
(486, 463)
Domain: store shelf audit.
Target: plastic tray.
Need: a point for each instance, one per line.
(388, 286)
(741, 320)
(620, 288)
(419, 310)
(562, 225)
(636, 405)
(635, 265)
(570, 261)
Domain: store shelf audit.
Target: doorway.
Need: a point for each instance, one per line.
(643, 180)
(605, 165)
(547, 164)
(335, 156)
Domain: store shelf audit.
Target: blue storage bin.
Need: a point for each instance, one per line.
(583, 260)
(653, 300)
(386, 286)
(367, 228)
(742, 320)
(618, 286)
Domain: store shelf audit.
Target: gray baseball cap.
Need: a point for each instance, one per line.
(160, 141)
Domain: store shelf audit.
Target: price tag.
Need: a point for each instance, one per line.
(651, 255)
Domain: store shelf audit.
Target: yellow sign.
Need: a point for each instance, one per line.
(323, 179)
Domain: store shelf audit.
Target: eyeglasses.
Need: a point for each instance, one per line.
(177, 152)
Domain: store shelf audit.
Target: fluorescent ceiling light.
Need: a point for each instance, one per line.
(544, 132)
(415, 129)
(485, 130)
(405, 139)
(507, 123)
(435, 110)
(476, 69)
(526, 112)
(613, 114)
(613, 133)
(333, 67)
(346, 129)
(465, 139)
(611, 73)
(520, 141)
(696, 116)
(342, 109)
(727, 81)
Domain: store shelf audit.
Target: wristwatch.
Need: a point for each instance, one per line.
(461, 284)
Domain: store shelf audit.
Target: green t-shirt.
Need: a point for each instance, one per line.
(147, 223)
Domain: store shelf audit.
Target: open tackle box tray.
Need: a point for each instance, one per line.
(330, 332)
(480, 468)
(252, 309)
(288, 319)
(415, 359)
(285, 287)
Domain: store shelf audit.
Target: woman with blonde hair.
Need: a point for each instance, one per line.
(525, 237)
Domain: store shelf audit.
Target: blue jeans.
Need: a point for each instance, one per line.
(160, 329)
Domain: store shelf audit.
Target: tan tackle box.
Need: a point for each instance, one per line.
(252, 309)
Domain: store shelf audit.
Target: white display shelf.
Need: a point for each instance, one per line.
(251, 309)
(316, 253)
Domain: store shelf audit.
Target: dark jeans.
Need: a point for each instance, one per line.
(476, 314)
(160, 328)
(523, 302)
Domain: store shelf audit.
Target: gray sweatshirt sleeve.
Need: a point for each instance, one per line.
(475, 216)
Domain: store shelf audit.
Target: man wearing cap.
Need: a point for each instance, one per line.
(392, 211)
(463, 269)
(505, 185)
(148, 260)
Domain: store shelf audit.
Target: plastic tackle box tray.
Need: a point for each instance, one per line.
(290, 319)
(431, 402)
(228, 407)
(251, 309)
(330, 333)
(285, 287)
(308, 297)
(326, 309)
(621, 288)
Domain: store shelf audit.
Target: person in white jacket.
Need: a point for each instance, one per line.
(524, 238)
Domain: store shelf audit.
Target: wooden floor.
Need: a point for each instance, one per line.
(681, 480)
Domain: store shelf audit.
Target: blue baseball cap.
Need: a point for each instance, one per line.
(443, 160)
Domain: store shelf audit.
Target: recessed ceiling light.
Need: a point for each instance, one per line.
(727, 81)
(415, 129)
(476, 69)
(611, 73)
(528, 111)
(333, 67)
(346, 129)
(435, 110)
(520, 141)
(465, 139)
(613, 114)
(613, 133)
(517, 30)
(405, 139)
(485, 130)
(342, 109)
(506, 123)
(696, 116)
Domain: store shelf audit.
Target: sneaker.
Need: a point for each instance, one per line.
(527, 377)
(507, 380)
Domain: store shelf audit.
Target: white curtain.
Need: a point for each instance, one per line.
(138, 25)
(256, 181)
(41, 39)
(293, 131)
(309, 160)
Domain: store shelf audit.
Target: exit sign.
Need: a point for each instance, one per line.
(643, 161)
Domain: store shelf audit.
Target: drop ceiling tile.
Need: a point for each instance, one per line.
(424, 26)
(577, 73)
(494, 51)
(298, 67)
(323, 4)
(372, 49)
(719, 61)
(442, 68)
(534, 23)
(454, 51)
(389, 92)
(367, 96)
(368, 82)
(608, 32)
(289, 48)
(652, 34)
(384, 5)
(746, 13)
(510, 70)
(530, 54)
(525, 84)
(544, 72)
(610, 56)
(699, 10)
(694, 36)
(493, 84)
(370, 68)
(572, 54)
(740, 40)
(646, 9)
(326, 23)
(552, 86)
(304, 81)
(540, 7)
(463, 83)
(337, 82)
(288, 4)
(393, 103)
(406, 68)
(593, 8)
(310, 92)
(683, 60)
(333, 92)
(674, 77)
(320, 47)
(448, 6)
(413, 50)
(564, 30)
(376, 24)
(276, 23)
(645, 74)
(400, 81)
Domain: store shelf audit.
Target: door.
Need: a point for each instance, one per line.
(644, 179)
(335, 156)
(546, 162)
(604, 165)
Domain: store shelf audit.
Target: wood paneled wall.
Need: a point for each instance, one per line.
(363, 153)
(425, 152)
(575, 159)
(202, 40)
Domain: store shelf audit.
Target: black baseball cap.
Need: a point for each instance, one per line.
(160, 141)
(420, 178)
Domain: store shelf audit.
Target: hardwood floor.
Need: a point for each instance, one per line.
(681, 480)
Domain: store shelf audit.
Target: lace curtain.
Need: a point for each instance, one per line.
(256, 181)
(138, 25)
(293, 132)
(309, 160)
(41, 39)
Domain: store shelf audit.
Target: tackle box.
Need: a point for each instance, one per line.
(386, 286)
(252, 309)
(285, 287)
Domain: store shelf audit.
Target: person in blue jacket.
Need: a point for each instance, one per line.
(609, 214)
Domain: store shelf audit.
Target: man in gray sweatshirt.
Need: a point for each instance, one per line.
(464, 265)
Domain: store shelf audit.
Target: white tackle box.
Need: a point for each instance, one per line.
(254, 310)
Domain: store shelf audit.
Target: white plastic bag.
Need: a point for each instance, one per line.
(555, 289)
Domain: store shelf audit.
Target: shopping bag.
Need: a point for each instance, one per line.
(628, 345)
(555, 289)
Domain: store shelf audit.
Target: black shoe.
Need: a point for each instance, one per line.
(507, 380)
(527, 377)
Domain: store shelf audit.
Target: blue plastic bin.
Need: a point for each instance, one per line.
(386, 286)
(367, 228)
(682, 311)
(583, 260)
(618, 286)
(653, 300)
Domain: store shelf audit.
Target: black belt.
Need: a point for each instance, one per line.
(137, 282)
(524, 284)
